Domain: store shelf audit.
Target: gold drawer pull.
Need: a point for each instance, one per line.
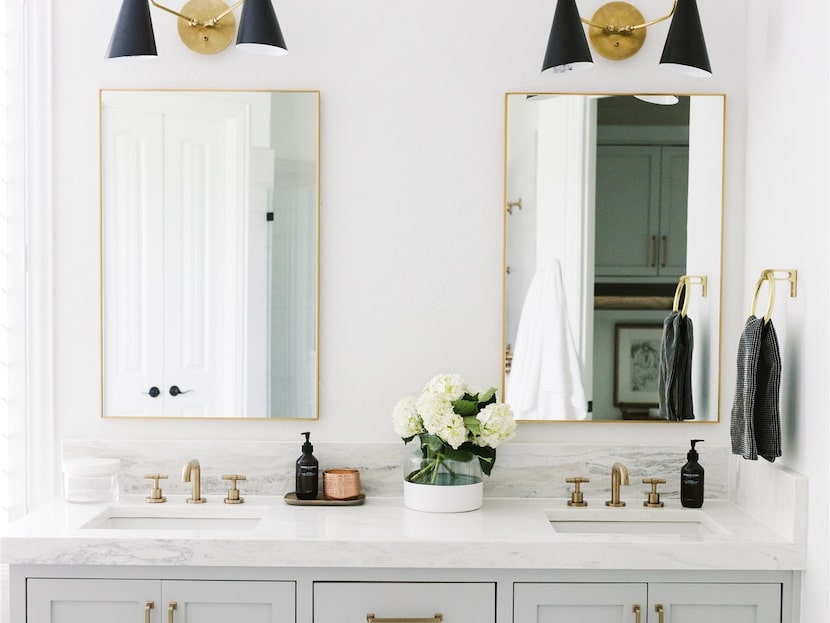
(636, 611)
(370, 618)
(171, 608)
(147, 607)
(658, 608)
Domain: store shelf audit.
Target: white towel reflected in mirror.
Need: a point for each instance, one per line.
(545, 379)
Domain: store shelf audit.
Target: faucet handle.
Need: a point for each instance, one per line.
(233, 492)
(653, 500)
(156, 496)
(576, 494)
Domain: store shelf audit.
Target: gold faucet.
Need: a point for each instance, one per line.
(619, 476)
(193, 467)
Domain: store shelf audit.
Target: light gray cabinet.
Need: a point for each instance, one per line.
(156, 601)
(54, 594)
(641, 208)
(654, 602)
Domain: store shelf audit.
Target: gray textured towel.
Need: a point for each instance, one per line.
(675, 380)
(756, 422)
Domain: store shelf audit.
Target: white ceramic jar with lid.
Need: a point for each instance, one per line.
(91, 480)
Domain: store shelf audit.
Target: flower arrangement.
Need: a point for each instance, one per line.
(452, 422)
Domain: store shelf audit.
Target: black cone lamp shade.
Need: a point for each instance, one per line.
(133, 34)
(259, 30)
(567, 45)
(685, 49)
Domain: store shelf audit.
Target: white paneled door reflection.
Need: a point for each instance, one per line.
(173, 239)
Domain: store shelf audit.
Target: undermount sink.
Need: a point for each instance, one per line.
(176, 518)
(625, 521)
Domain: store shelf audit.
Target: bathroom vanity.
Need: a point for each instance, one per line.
(514, 560)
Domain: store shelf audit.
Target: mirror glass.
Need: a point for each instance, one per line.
(209, 243)
(610, 200)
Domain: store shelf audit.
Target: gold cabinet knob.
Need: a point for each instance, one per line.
(576, 494)
(157, 495)
(233, 492)
(653, 500)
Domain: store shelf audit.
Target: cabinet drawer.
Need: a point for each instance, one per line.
(456, 602)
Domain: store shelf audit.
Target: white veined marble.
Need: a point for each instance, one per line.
(522, 470)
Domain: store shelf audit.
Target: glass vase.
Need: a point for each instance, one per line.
(442, 485)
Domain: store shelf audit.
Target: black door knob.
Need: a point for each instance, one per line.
(175, 391)
(154, 392)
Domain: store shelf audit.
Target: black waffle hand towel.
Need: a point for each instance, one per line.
(675, 377)
(756, 421)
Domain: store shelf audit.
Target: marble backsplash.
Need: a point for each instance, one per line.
(522, 469)
(775, 495)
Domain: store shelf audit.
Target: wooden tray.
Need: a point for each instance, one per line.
(291, 498)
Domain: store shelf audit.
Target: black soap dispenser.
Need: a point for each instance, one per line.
(691, 480)
(308, 470)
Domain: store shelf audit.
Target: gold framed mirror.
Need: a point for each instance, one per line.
(210, 224)
(609, 200)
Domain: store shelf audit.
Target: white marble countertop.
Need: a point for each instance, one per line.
(505, 533)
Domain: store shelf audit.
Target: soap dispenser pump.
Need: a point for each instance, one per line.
(691, 479)
(307, 472)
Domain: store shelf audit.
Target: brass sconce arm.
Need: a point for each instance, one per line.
(230, 9)
(193, 21)
(190, 20)
(614, 28)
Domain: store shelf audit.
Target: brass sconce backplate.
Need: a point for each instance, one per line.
(616, 41)
(202, 37)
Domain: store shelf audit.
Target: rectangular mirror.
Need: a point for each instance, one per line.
(210, 253)
(609, 201)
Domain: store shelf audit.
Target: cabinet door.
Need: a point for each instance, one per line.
(627, 235)
(354, 602)
(674, 197)
(92, 601)
(133, 261)
(579, 603)
(715, 603)
(208, 601)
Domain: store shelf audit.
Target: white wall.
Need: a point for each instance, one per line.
(787, 227)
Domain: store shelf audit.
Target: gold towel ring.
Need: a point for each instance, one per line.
(685, 282)
(769, 275)
(682, 284)
(768, 278)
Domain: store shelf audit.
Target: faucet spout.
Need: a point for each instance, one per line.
(619, 476)
(192, 472)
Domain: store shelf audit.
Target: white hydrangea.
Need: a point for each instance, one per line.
(448, 387)
(440, 419)
(497, 425)
(405, 418)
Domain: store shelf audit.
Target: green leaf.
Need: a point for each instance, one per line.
(487, 397)
(433, 443)
(464, 407)
(462, 456)
(472, 424)
(486, 458)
